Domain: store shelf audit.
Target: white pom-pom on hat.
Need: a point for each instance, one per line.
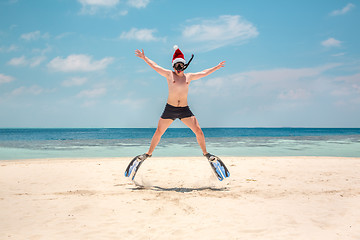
(176, 47)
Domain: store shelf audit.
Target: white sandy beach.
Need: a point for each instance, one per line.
(264, 198)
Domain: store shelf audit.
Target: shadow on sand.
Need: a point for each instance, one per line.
(181, 189)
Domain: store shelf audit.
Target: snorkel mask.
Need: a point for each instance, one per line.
(181, 66)
(178, 61)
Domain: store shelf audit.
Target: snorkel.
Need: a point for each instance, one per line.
(180, 67)
(186, 65)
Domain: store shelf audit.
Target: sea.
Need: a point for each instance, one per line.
(34, 143)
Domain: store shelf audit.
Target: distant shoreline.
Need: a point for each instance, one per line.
(123, 142)
(178, 127)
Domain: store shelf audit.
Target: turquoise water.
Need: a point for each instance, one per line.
(126, 142)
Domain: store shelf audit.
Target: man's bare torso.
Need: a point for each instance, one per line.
(178, 89)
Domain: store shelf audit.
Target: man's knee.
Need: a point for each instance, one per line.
(198, 131)
(160, 131)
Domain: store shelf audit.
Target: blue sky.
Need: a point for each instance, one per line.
(71, 63)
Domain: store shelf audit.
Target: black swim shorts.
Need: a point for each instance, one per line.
(173, 113)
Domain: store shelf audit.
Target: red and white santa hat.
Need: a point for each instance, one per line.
(178, 56)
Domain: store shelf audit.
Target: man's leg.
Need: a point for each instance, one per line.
(162, 126)
(193, 124)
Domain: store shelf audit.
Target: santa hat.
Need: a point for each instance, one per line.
(178, 56)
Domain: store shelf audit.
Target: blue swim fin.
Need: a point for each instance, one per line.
(134, 165)
(218, 167)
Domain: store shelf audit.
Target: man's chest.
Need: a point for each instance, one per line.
(178, 84)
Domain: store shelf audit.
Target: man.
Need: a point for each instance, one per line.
(177, 107)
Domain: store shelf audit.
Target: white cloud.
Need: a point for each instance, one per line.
(31, 36)
(331, 42)
(338, 54)
(356, 87)
(349, 84)
(340, 92)
(6, 79)
(216, 33)
(33, 90)
(89, 103)
(264, 93)
(145, 35)
(75, 81)
(23, 61)
(138, 3)
(106, 7)
(294, 94)
(64, 35)
(35, 61)
(349, 79)
(132, 103)
(42, 51)
(103, 3)
(11, 48)
(343, 11)
(18, 61)
(92, 93)
(123, 13)
(110, 6)
(281, 83)
(81, 63)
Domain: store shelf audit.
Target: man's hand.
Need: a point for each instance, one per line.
(162, 71)
(204, 73)
(140, 54)
(220, 65)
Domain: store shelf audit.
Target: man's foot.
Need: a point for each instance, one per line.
(218, 166)
(135, 164)
(210, 157)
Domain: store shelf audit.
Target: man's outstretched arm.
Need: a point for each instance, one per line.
(162, 71)
(204, 73)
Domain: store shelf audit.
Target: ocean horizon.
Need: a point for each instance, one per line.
(31, 143)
